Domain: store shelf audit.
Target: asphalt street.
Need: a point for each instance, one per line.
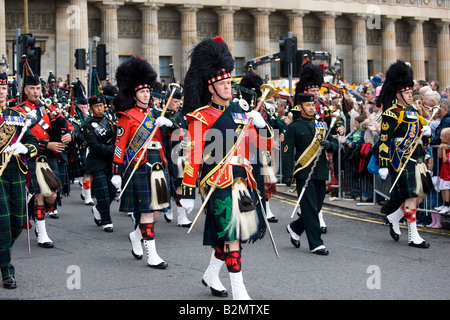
(364, 262)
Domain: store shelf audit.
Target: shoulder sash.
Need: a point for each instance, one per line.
(139, 139)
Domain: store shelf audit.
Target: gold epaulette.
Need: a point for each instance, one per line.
(390, 113)
(198, 115)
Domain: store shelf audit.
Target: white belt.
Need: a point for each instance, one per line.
(154, 145)
(240, 160)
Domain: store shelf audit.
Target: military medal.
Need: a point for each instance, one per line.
(239, 118)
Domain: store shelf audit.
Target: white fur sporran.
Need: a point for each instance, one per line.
(267, 170)
(244, 222)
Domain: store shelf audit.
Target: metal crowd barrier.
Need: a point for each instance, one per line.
(370, 186)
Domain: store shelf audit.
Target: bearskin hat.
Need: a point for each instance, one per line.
(132, 75)
(250, 87)
(109, 91)
(211, 61)
(3, 79)
(399, 77)
(311, 76)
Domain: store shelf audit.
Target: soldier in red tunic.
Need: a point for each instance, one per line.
(147, 193)
(233, 212)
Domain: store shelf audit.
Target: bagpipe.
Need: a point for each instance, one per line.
(47, 180)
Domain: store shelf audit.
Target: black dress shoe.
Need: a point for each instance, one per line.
(167, 218)
(321, 252)
(323, 229)
(54, 215)
(394, 235)
(423, 244)
(216, 293)
(9, 282)
(46, 245)
(108, 229)
(272, 219)
(186, 225)
(97, 222)
(162, 265)
(296, 243)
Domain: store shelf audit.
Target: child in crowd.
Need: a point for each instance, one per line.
(444, 179)
(356, 138)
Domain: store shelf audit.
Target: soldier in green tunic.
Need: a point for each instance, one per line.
(303, 141)
(401, 126)
(100, 134)
(13, 189)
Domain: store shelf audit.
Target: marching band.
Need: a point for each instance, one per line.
(211, 138)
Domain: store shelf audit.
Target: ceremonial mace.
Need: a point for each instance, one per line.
(435, 111)
(175, 87)
(333, 120)
(268, 91)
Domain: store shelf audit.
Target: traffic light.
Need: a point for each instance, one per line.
(80, 59)
(288, 51)
(32, 54)
(102, 62)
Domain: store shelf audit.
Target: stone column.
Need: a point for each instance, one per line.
(443, 53)
(3, 31)
(188, 33)
(150, 34)
(388, 42)
(226, 25)
(79, 37)
(62, 37)
(328, 33)
(110, 34)
(359, 48)
(296, 25)
(262, 38)
(417, 49)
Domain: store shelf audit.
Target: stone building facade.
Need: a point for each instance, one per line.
(366, 36)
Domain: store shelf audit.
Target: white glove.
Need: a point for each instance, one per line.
(258, 120)
(187, 204)
(116, 180)
(18, 148)
(426, 131)
(383, 172)
(163, 121)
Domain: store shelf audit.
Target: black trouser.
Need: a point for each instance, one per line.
(310, 204)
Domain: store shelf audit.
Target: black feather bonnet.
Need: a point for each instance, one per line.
(311, 76)
(211, 61)
(132, 75)
(250, 87)
(399, 78)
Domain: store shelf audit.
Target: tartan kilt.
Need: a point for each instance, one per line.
(102, 186)
(53, 164)
(137, 197)
(13, 213)
(218, 215)
(406, 184)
